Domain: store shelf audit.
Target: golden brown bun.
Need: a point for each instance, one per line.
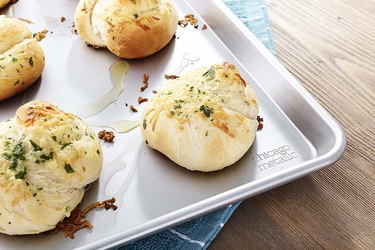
(128, 28)
(47, 157)
(205, 120)
(3, 3)
(21, 57)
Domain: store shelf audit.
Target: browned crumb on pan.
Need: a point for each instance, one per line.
(170, 76)
(131, 107)
(188, 19)
(39, 36)
(204, 27)
(107, 136)
(70, 225)
(74, 30)
(145, 82)
(142, 99)
(260, 122)
(62, 19)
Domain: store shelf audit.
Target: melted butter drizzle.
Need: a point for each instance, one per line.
(187, 59)
(122, 126)
(117, 72)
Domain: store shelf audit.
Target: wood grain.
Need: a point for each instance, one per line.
(329, 46)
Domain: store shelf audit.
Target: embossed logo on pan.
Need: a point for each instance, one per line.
(274, 157)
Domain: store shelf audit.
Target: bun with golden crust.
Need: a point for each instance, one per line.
(128, 28)
(3, 3)
(47, 157)
(205, 120)
(21, 57)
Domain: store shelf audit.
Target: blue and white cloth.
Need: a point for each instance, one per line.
(198, 233)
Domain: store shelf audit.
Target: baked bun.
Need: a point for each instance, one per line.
(128, 28)
(205, 120)
(21, 57)
(47, 157)
(3, 3)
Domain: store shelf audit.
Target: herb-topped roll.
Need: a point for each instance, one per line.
(47, 157)
(21, 57)
(205, 120)
(129, 29)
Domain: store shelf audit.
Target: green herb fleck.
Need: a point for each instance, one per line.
(31, 62)
(207, 111)
(144, 124)
(20, 175)
(68, 168)
(54, 137)
(35, 146)
(65, 145)
(177, 106)
(7, 156)
(210, 73)
(47, 157)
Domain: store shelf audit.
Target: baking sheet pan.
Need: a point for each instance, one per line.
(299, 136)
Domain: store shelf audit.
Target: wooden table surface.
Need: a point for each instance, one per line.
(329, 46)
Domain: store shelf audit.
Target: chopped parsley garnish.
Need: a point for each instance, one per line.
(18, 152)
(31, 62)
(177, 106)
(54, 137)
(7, 156)
(207, 111)
(65, 145)
(47, 157)
(68, 168)
(210, 73)
(144, 124)
(35, 146)
(20, 175)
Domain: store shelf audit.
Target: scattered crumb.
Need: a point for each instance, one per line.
(142, 100)
(145, 82)
(126, 105)
(133, 109)
(74, 30)
(107, 136)
(188, 19)
(62, 19)
(39, 36)
(204, 27)
(170, 76)
(154, 91)
(260, 121)
(74, 222)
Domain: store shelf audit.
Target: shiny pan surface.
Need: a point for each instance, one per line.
(298, 138)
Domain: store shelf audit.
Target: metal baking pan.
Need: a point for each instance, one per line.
(298, 138)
